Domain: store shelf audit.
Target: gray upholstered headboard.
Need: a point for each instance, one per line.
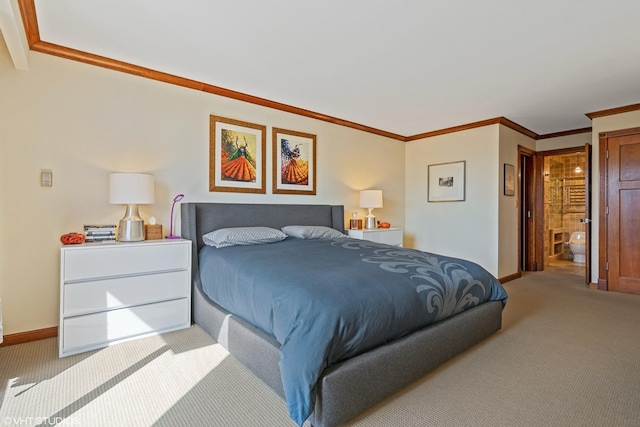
(199, 218)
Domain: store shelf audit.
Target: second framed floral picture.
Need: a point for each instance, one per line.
(294, 162)
(237, 156)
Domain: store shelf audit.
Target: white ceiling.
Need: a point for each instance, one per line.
(405, 67)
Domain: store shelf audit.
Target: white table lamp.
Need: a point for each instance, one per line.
(370, 199)
(131, 189)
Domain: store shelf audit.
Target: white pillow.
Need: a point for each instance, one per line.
(243, 236)
(311, 232)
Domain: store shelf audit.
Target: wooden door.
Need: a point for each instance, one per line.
(623, 206)
(587, 210)
(527, 226)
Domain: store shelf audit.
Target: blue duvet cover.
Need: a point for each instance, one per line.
(327, 300)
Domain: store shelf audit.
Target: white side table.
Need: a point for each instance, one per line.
(114, 292)
(389, 236)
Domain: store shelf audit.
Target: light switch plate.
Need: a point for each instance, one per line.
(46, 178)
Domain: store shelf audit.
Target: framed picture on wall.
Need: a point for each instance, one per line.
(509, 180)
(446, 182)
(236, 156)
(294, 162)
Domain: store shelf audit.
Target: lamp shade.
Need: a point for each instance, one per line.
(371, 199)
(131, 188)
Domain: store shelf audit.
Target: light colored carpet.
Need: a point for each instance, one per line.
(181, 378)
(566, 356)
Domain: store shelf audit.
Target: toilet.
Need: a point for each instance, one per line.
(577, 246)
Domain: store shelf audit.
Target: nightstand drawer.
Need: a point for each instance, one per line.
(92, 296)
(120, 260)
(96, 330)
(388, 236)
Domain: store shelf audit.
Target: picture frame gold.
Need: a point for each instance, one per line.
(294, 162)
(237, 156)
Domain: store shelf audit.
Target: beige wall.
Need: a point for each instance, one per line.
(466, 229)
(83, 122)
(484, 228)
(508, 206)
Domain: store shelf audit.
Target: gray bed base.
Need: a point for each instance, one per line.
(354, 385)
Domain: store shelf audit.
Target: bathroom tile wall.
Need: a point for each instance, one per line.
(575, 193)
(564, 201)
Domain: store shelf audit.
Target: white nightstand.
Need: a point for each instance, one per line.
(113, 292)
(390, 236)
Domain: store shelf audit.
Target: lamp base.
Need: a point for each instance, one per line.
(131, 230)
(131, 226)
(370, 222)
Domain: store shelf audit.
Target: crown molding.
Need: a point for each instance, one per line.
(565, 133)
(495, 121)
(30, 22)
(454, 129)
(27, 8)
(612, 111)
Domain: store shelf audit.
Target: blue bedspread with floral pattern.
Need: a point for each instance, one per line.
(327, 300)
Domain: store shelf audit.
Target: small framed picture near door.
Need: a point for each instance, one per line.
(509, 180)
(446, 182)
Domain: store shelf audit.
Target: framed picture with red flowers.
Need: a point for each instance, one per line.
(294, 162)
(236, 156)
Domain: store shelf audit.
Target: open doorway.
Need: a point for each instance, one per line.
(553, 207)
(565, 203)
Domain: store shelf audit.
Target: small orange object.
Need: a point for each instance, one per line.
(384, 224)
(72, 238)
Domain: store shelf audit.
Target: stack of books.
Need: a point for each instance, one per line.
(100, 233)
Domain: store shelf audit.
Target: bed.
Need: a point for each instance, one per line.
(350, 377)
